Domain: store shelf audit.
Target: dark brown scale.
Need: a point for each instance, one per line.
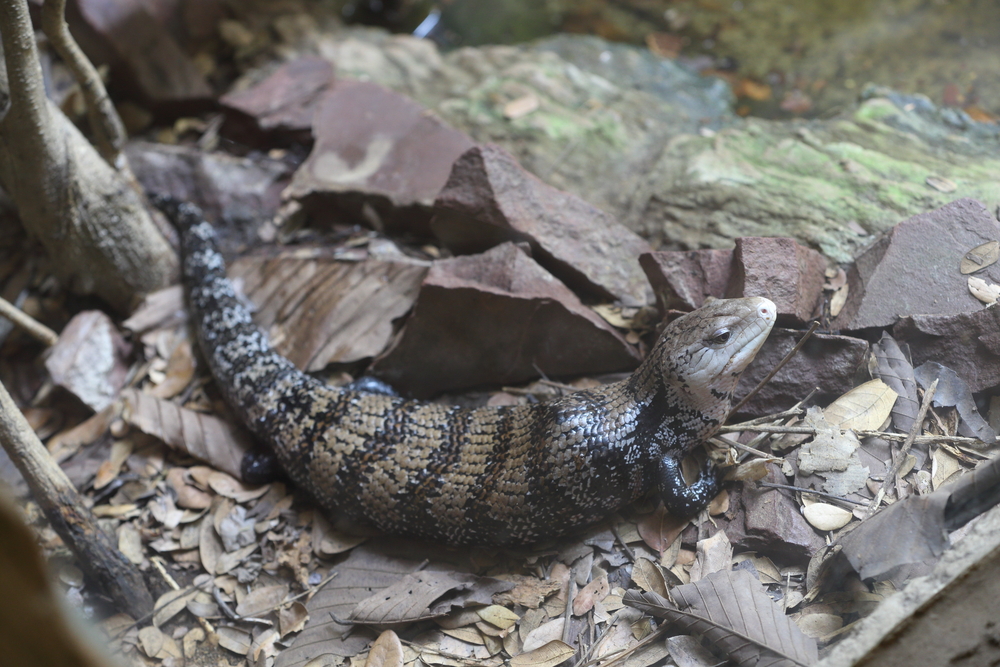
(492, 475)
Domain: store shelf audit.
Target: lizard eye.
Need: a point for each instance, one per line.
(719, 337)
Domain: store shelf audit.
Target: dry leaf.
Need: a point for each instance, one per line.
(980, 257)
(984, 291)
(647, 575)
(425, 595)
(501, 617)
(866, 407)
(228, 487)
(262, 600)
(179, 373)
(759, 634)
(660, 528)
(387, 651)
(235, 640)
(522, 106)
(713, 554)
(203, 436)
(171, 603)
(108, 470)
(63, 445)
(593, 592)
(549, 655)
(826, 517)
(292, 618)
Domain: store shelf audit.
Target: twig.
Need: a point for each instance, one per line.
(109, 132)
(743, 448)
(27, 323)
(861, 433)
(890, 479)
(69, 515)
(789, 487)
(774, 371)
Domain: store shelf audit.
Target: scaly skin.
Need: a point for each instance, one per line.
(490, 475)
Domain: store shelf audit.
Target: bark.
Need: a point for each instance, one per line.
(94, 226)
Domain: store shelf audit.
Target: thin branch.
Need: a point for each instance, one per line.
(109, 132)
(774, 371)
(895, 437)
(27, 323)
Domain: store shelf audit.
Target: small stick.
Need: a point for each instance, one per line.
(774, 371)
(890, 479)
(67, 511)
(789, 487)
(861, 433)
(27, 323)
(105, 122)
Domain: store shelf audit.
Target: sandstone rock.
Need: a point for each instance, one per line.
(279, 109)
(780, 269)
(682, 280)
(143, 55)
(967, 343)
(825, 361)
(490, 198)
(498, 318)
(913, 270)
(378, 157)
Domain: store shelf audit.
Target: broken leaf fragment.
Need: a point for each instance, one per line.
(984, 291)
(980, 257)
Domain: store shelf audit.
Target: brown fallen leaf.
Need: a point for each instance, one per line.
(647, 575)
(980, 257)
(759, 634)
(179, 372)
(549, 655)
(387, 651)
(866, 407)
(203, 436)
(63, 445)
(593, 592)
(424, 595)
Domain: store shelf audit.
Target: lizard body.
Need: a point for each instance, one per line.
(490, 475)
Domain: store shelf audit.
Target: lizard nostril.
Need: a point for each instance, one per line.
(766, 310)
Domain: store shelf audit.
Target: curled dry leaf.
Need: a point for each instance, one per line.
(548, 655)
(647, 575)
(292, 618)
(866, 407)
(980, 257)
(387, 651)
(984, 291)
(895, 370)
(63, 445)
(228, 487)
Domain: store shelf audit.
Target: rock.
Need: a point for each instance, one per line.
(236, 194)
(90, 359)
(489, 199)
(378, 157)
(143, 56)
(780, 269)
(498, 318)
(914, 268)
(826, 361)
(683, 280)
(967, 343)
(318, 310)
(768, 521)
(279, 109)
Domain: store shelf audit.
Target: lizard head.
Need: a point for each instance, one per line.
(702, 354)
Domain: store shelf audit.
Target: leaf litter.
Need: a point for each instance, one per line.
(272, 582)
